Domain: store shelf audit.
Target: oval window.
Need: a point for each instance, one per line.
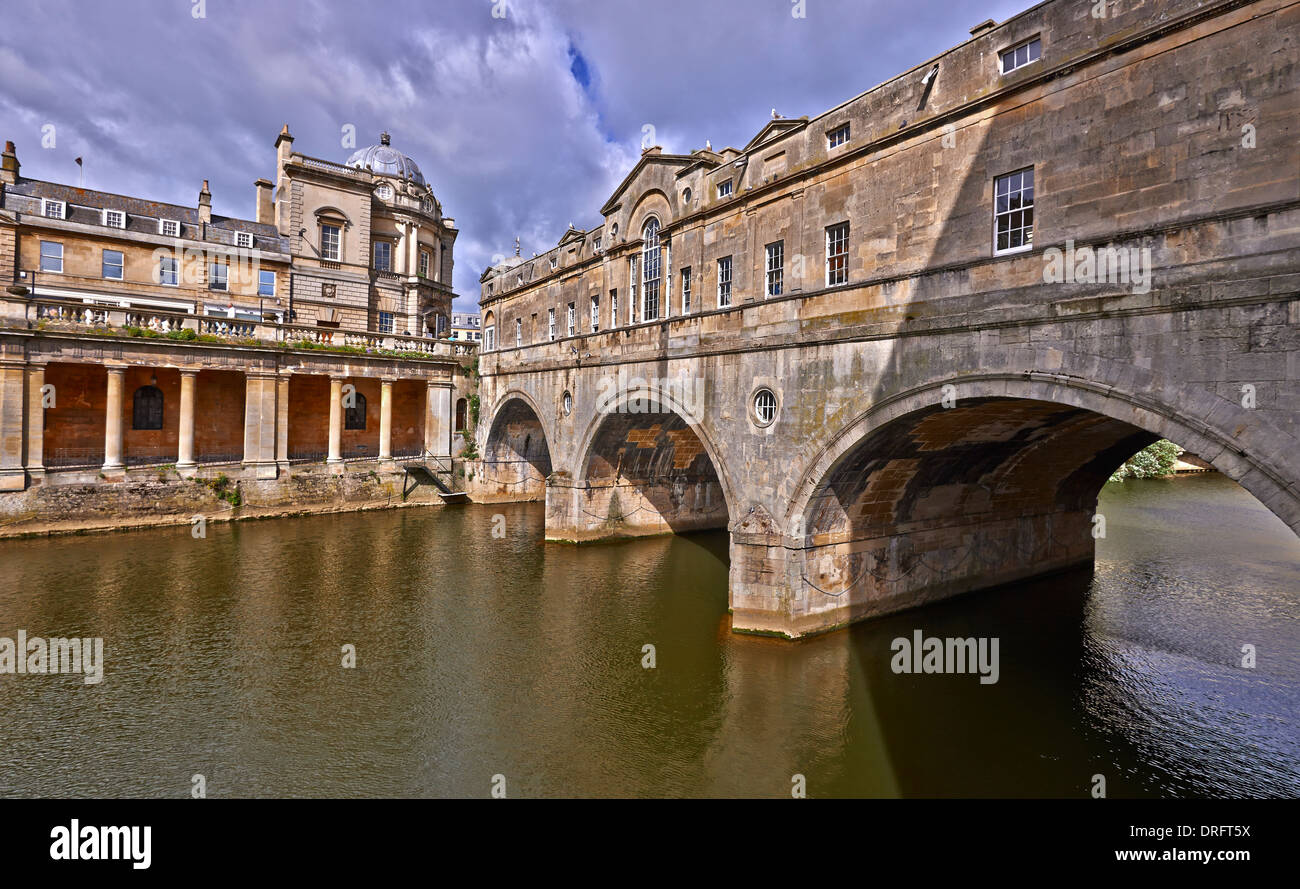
(764, 406)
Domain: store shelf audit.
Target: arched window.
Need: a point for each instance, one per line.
(462, 414)
(651, 269)
(147, 408)
(355, 417)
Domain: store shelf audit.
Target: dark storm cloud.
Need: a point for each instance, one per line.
(521, 124)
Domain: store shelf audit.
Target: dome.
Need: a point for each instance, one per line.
(386, 161)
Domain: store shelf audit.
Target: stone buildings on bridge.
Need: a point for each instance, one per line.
(136, 332)
(896, 393)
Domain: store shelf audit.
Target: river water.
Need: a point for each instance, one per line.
(479, 656)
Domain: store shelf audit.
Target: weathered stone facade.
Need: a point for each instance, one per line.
(944, 418)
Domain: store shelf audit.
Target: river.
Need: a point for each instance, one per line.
(481, 656)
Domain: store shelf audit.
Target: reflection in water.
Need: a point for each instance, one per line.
(479, 656)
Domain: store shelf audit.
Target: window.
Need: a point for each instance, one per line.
(519, 332)
(330, 242)
(1013, 212)
(385, 192)
(651, 256)
(724, 282)
(112, 265)
(167, 270)
(595, 314)
(54, 209)
(243, 239)
(764, 407)
(489, 337)
(114, 219)
(595, 245)
(383, 256)
(462, 413)
(385, 322)
(567, 402)
(686, 291)
(169, 228)
(1022, 55)
(724, 189)
(775, 268)
(550, 324)
(613, 308)
(572, 325)
(633, 285)
(686, 197)
(424, 263)
(217, 276)
(147, 408)
(837, 254)
(837, 136)
(265, 283)
(51, 256)
(355, 417)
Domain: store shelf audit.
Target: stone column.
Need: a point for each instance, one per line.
(282, 422)
(336, 422)
(35, 423)
(438, 420)
(386, 421)
(113, 422)
(12, 475)
(260, 424)
(185, 454)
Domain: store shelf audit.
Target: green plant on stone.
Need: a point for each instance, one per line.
(1154, 461)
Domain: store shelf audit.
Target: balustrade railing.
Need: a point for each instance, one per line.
(58, 313)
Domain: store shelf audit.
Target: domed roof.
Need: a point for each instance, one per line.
(386, 161)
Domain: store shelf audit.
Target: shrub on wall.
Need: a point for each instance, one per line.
(1154, 461)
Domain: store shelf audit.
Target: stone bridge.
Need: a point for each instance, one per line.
(943, 422)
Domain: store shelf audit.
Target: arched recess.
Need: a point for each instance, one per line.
(644, 467)
(516, 459)
(973, 483)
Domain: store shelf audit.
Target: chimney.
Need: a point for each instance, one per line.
(283, 151)
(283, 146)
(265, 205)
(205, 203)
(9, 168)
(983, 27)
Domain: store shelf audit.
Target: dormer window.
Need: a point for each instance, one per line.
(243, 239)
(385, 192)
(115, 218)
(724, 189)
(169, 228)
(1022, 55)
(837, 136)
(555, 261)
(54, 209)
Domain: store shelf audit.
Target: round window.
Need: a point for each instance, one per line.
(614, 230)
(568, 403)
(686, 197)
(764, 407)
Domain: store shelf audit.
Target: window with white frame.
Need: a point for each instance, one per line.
(686, 290)
(115, 218)
(724, 189)
(330, 242)
(243, 240)
(385, 322)
(424, 263)
(54, 209)
(650, 269)
(51, 256)
(218, 274)
(112, 265)
(775, 268)
(489, 338)
(837, 254)
(383, 256)
(168, 271)
(550, 324)
(613, 308)
(633, 284)
(1013, 211)
(595, 314)
(519, 332)
(169, 228)
(265, 283)
(572, 324)
(837, 136)
(1022, 55)
(724, 282)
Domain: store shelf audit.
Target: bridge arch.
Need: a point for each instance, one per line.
(972, 482)
(644, 463)
(516, 457)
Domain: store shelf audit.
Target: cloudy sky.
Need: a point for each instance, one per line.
(522, 121)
